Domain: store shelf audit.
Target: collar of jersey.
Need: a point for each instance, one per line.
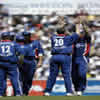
(61, 35)
(22, 43)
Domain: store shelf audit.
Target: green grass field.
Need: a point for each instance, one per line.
(52, 98)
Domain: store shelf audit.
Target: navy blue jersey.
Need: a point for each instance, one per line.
(81, 46)
(9, 51)
(30, 48)
(62, 44)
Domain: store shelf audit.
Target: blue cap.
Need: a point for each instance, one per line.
(26, 33)
(12, 34)
(19, 38)
(5, 34)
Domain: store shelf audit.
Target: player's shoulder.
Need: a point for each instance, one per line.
(53, 37)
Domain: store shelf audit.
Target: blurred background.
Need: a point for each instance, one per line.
(41, 17)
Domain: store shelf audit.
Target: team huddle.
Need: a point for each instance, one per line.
(20, 57)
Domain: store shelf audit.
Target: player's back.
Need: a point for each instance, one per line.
(8, 51)
(30, 49)
(60, 44)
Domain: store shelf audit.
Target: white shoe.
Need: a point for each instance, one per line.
(69, 94)
(75, 94)
(18, 95)
(46, 94)
(79, 93)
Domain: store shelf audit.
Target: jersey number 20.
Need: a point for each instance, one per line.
(59, 42)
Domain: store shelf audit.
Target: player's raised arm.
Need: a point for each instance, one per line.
(78, 29)
(75, 36)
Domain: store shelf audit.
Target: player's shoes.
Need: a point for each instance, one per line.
(69, 94)
(18, 95)
(79, 93)
(46, 94)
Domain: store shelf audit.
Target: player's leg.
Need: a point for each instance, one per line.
(75, 75)
(24, 86)
(5, 85)
(14, 77)
(28, 71)
(66, 71)
(82, 74)
(20, 74)
(30, 75)
(24, 74)
(54, 69)
(2, 80)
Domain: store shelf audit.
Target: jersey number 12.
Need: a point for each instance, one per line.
(5, 49)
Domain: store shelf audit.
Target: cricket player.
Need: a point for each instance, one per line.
(29, 65)
(12, 37)
(20, 41)
(81, 50)
(61, 56)
(8, 64)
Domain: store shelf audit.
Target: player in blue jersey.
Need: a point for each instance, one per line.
(12, 38)
(20, 41)
(8, 64)
(29, 65)
(61, 56)
(81, 50)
